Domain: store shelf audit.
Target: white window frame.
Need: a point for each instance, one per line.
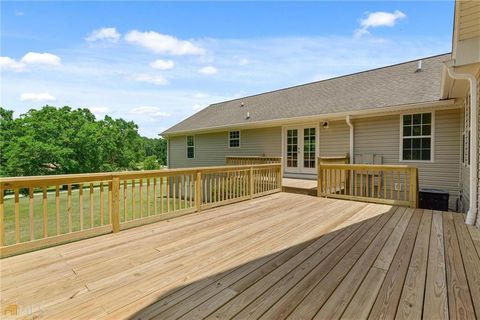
(239, 139)
(187, 146)
(432, 137)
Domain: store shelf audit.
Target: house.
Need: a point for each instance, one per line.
(225, 242)
(422, 112)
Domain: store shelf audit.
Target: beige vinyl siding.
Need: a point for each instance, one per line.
(334, 141)
(211, 149)
(381, 136)
(469, 20)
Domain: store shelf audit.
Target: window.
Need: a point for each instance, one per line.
(190, 147)
(292, 148)
(466, 133)
(234, 139)
(417, 137)
(309, 148)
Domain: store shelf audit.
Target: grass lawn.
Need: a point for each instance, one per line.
(133, 206)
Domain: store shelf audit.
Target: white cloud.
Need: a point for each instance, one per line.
(162, 64)
(41, 59)
(158, 80)
(208, 70)
(162, 43)
(10, 64)
(104, 34)
(19, 13)
(99, 112)
(31, 58)
(37, 97)
(151, 112)
(379, 19)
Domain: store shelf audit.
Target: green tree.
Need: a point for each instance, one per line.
(150, 163)
(156, 147)
(64, 140)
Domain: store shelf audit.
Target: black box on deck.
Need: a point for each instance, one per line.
(434, 199)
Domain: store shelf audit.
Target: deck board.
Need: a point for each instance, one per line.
(278, 256)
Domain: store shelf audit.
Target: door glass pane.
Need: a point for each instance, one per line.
(309, 148)
(292, 148)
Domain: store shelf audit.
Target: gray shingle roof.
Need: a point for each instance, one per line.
(378, 88)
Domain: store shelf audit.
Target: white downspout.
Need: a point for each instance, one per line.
(350, 124)
(473, 207)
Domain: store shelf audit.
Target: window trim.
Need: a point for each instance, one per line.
(239, 139)
(432, 138)
(186, 146)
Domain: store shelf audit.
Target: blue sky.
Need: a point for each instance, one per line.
(159, 62)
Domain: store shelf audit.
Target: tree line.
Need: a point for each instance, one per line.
(63, 140)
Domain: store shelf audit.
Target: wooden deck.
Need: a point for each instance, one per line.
(278, 256)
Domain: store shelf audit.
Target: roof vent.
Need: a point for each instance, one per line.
(247, 117)
(419, 66)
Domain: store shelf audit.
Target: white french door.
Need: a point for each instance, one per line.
(300, 149)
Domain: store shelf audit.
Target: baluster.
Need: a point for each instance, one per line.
(168, 192)
(133, 199)
(184, 177)
(398, 185)
(102, 205)
(148, 197)
(110, 201)
(69, 207)
(140, 190)
(361, 183)
(17, 215)
(80, 205)
(45, 212)
(155, 207)
(57, 208)
(174, 193)
(190, 182)
(91, 205)
(125, 215)
(161, 194)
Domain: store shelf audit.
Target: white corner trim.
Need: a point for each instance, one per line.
(473, 206)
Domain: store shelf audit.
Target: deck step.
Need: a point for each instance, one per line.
(296, 190)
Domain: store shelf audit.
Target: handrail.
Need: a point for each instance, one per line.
(61, 208)
(246, 160)
(388, 184)
(7, 182)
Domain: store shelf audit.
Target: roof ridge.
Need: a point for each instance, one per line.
(318, 81)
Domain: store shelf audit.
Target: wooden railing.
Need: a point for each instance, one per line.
(389, 184)
(244, 160)
(37, 212)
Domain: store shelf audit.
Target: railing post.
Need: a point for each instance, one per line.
(198, 191)
(116, 204)
(413, 187)
(251, 182)
(319, 179)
